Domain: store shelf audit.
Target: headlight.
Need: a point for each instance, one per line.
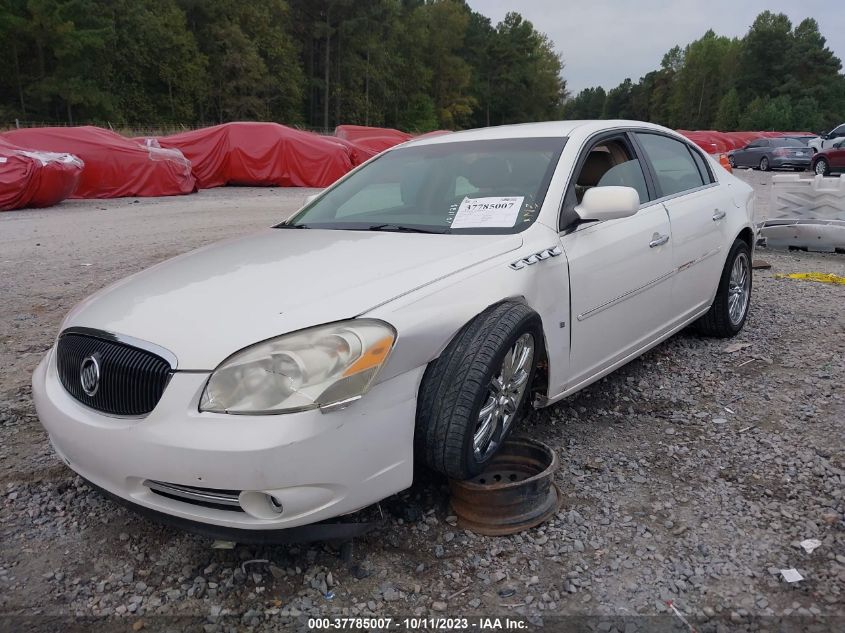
(310, 368)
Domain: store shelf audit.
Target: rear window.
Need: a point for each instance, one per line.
(786, 142)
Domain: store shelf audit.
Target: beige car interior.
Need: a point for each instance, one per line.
(610, 164)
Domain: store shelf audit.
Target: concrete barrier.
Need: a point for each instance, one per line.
(805, 213)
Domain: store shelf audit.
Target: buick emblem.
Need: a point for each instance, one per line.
(89, 375)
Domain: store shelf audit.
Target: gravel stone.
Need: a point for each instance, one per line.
(687, 474)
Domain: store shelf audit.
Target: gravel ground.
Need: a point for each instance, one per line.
(690, 475)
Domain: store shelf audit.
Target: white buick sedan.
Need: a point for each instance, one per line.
(409, 313)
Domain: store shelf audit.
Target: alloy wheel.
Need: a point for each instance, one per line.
(504, 396)
(739, 289)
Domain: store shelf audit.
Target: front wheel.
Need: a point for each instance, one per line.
(822, 167)
(729, 310)
(473, 395)
(764, 164)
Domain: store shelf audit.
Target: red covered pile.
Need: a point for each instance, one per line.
(714, 142)
(35, 179)
(115, 166)
(261, 154)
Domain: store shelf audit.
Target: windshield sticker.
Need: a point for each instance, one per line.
(487, 212)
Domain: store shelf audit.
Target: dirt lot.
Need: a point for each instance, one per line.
(690, 475)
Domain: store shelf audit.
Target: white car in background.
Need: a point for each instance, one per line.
(411, 312)
(826, 141)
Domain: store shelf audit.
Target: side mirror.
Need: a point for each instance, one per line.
(310, 199)
(608, 203)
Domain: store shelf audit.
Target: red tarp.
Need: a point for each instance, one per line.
(710, 142)
(115, 166)
(376, 139)
(35, 179)
(726, 141)
(261, 154)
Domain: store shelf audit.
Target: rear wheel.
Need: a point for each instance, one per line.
(729, 310)
(822, 167)
(764, 164)
(473, 395)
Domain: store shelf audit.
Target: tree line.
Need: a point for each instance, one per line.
(416, 65)
(776, 77)
(412, 64)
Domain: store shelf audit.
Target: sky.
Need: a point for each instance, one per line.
(604, 41)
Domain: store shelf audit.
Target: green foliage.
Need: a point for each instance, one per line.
(413, 64)
(775, 77)
(729, 112)
(587, 104)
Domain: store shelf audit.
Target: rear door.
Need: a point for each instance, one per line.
(697, 207)
(754, 152)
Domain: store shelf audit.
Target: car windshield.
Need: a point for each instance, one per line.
(787, 142)
(488, 186)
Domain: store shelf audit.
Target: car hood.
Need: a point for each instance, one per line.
(211, 302)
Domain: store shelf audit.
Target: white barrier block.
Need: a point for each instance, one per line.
(807, 213)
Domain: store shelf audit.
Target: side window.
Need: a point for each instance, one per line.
(703, 168)
(673, 165)
(627, 174)
(610, 163)
(840, 131)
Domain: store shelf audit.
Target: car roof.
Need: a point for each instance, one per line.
(544, 129)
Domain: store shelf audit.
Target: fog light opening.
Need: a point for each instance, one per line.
(261, 505)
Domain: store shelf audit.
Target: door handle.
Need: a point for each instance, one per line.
(718, 215)
(658, 240)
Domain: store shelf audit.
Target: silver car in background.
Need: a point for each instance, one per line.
(772, 153)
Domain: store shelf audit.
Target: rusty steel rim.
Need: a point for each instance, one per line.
(515, 492)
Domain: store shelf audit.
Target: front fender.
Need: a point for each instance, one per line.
(428, 319)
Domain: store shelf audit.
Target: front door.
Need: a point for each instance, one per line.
(619, 274)
(619, 270)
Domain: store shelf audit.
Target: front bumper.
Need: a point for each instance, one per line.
(313, 465)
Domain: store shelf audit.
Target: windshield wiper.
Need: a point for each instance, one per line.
(398, 228)
(284, 225)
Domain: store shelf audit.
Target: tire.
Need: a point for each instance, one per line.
(821, 167)
(457, 385)
(764, 164)
(719, 321)
(732, 162)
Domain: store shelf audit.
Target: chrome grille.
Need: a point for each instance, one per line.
(131, 380)
(206, 497)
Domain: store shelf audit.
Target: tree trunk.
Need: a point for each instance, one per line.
(367, 87)
(338, 87)
(328, 67)
(18, 78)
(172, 106)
